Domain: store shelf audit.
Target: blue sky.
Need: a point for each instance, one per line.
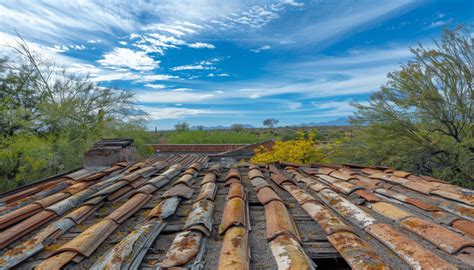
(213, 62)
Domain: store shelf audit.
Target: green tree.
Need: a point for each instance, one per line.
(181, 126)
(237, 127)
(49, 117)
(422, 118)
(270, 123)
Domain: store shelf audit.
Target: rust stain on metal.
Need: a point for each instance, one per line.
(13, 233)
(90, 239)
(420, 187)
(329, 222)
(465, 226)
(57, 261)
(469, 200)
(77, 187)
(52, 199)
(235, 252)
(317, 186)
(422, 205)
(278, 177)
(462, 210)
(18, 215)
(81, 213)
(289, 255)
(390, 211)
(345, 187)
(147, 189)
(279, 221)
(185, 246)
(266, 195)
(165, 208)
(410, 251)
(370, 197)
(299, 194)
(439, 236)
(234, 214)
(346, 209)
(392, 194)
(327, 179)
(236, 190)
(129, 208)
(357, 253)
(180, 190)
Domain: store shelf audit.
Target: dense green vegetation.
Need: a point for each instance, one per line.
(422, 118)
(49, 118)
(213, 136)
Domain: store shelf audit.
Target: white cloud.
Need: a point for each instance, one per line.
(191, 67)
(157, 113)
(123, 42)
(439, 23)
(93, 41)
(338, 20)
(114, 76)
(201, 45)
(127, 58)
(292, 3)
(181, 90)
(294, 105)
(78, 47)
(263, 48)
(155, 86)
(156, 77)
(171, 97)
(54, 21)
(334, 108)
(167, 39)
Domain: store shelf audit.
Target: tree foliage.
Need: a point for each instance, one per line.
(182, 126)
(422, 118)
(49, 117)
(302, 150)
(237, 127)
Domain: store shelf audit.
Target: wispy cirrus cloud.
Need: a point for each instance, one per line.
(159, 113)
(201, 45)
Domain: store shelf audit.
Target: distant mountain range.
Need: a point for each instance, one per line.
(343, 121)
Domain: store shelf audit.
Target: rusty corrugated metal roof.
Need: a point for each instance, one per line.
(186, 211)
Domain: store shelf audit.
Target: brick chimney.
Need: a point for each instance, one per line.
(110, 151)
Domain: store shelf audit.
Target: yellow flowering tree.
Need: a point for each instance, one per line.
(303, 150)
